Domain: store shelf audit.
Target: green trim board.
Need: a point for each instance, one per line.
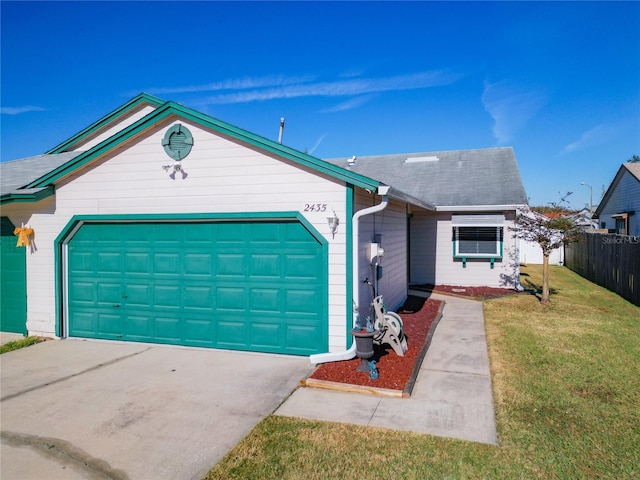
(320, 311)
(350, 198)
(33, 196)
(172, 109)
(104, 122)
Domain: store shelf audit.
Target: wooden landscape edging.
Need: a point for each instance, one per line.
(383, 392)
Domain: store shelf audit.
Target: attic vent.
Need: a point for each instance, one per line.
(432, 158)
(177, 142)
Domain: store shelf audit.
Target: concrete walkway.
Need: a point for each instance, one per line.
(452, 396)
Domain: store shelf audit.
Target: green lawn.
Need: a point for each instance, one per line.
(22, 343)
(566, 381)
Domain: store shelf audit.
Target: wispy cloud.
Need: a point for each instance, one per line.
(349, 104)
(20, 110)
(511, 107)
(336, 88)
(595, 136)
(317, 144)
(234, 84)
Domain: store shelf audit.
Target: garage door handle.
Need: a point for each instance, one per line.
(116, 305)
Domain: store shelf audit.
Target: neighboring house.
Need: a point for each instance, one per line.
(584, 219)
(158, 223)
(619, 209)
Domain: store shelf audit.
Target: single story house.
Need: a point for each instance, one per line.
(160, 224)
(618, 210)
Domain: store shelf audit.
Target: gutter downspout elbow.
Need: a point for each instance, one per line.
(351, 352)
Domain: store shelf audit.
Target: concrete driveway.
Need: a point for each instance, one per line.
(90, 409)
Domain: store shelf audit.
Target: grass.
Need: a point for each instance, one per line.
(565, 379)
(23, 342)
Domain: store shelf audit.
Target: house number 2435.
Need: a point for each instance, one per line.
(315, 207)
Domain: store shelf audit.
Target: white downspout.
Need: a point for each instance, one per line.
(351, 352)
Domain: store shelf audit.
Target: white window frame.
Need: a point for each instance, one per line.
(478, 221)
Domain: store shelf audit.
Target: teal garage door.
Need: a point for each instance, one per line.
(13, 281)
(259, 286)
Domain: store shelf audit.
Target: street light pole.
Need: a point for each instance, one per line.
(590, 203)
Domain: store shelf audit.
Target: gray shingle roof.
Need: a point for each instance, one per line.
(450, 178)
(634, 168)
(18, 173)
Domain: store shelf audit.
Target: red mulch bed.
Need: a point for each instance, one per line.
(394, 372)
(471, 292)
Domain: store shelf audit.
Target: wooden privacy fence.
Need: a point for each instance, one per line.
(609, 260)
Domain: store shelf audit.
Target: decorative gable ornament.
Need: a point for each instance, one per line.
(177, 142)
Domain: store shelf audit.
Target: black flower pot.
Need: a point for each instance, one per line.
(364, 348)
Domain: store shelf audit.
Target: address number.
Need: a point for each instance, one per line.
(315, 207)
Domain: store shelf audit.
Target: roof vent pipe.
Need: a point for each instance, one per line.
(351, 352)
(281, 130)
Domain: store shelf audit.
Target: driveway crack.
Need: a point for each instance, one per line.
(64, 454)
(62, 379)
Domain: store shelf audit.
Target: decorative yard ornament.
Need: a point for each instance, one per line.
(24, 236)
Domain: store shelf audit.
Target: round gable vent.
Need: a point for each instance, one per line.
(177, 142)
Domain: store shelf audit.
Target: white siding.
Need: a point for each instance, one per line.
(392, 224)
(625, 197)
(223, 177)
(432, 259)
(122, 123)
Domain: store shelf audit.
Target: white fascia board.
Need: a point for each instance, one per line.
(477, 208)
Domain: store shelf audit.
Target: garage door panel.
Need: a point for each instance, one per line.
(84, 323)
(301, 338)
(265, 265)
(167, 296)
(230, 299)
(109, 262)
(231, 333)
(197, 264)
(167, 328)
(167, 263)
(110, 325)
(198, 331)
(82, 293)
(239, 285)
(196, 297)
(109, 294)
(265, 334)
(81, 262)
(139, 328)
(138, 295)
(301, 266)
(230, 264)
(300, 301)
(265, 300)
(137, 263)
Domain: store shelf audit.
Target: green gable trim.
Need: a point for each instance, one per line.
(78, 220)
(170, 109)
(142, 99)
(27, 196)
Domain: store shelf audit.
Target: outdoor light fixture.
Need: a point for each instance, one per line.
(333, 221)
(175, 168)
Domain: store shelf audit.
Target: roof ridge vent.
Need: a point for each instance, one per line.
(422, 159)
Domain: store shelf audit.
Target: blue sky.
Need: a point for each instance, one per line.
(559, 82)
